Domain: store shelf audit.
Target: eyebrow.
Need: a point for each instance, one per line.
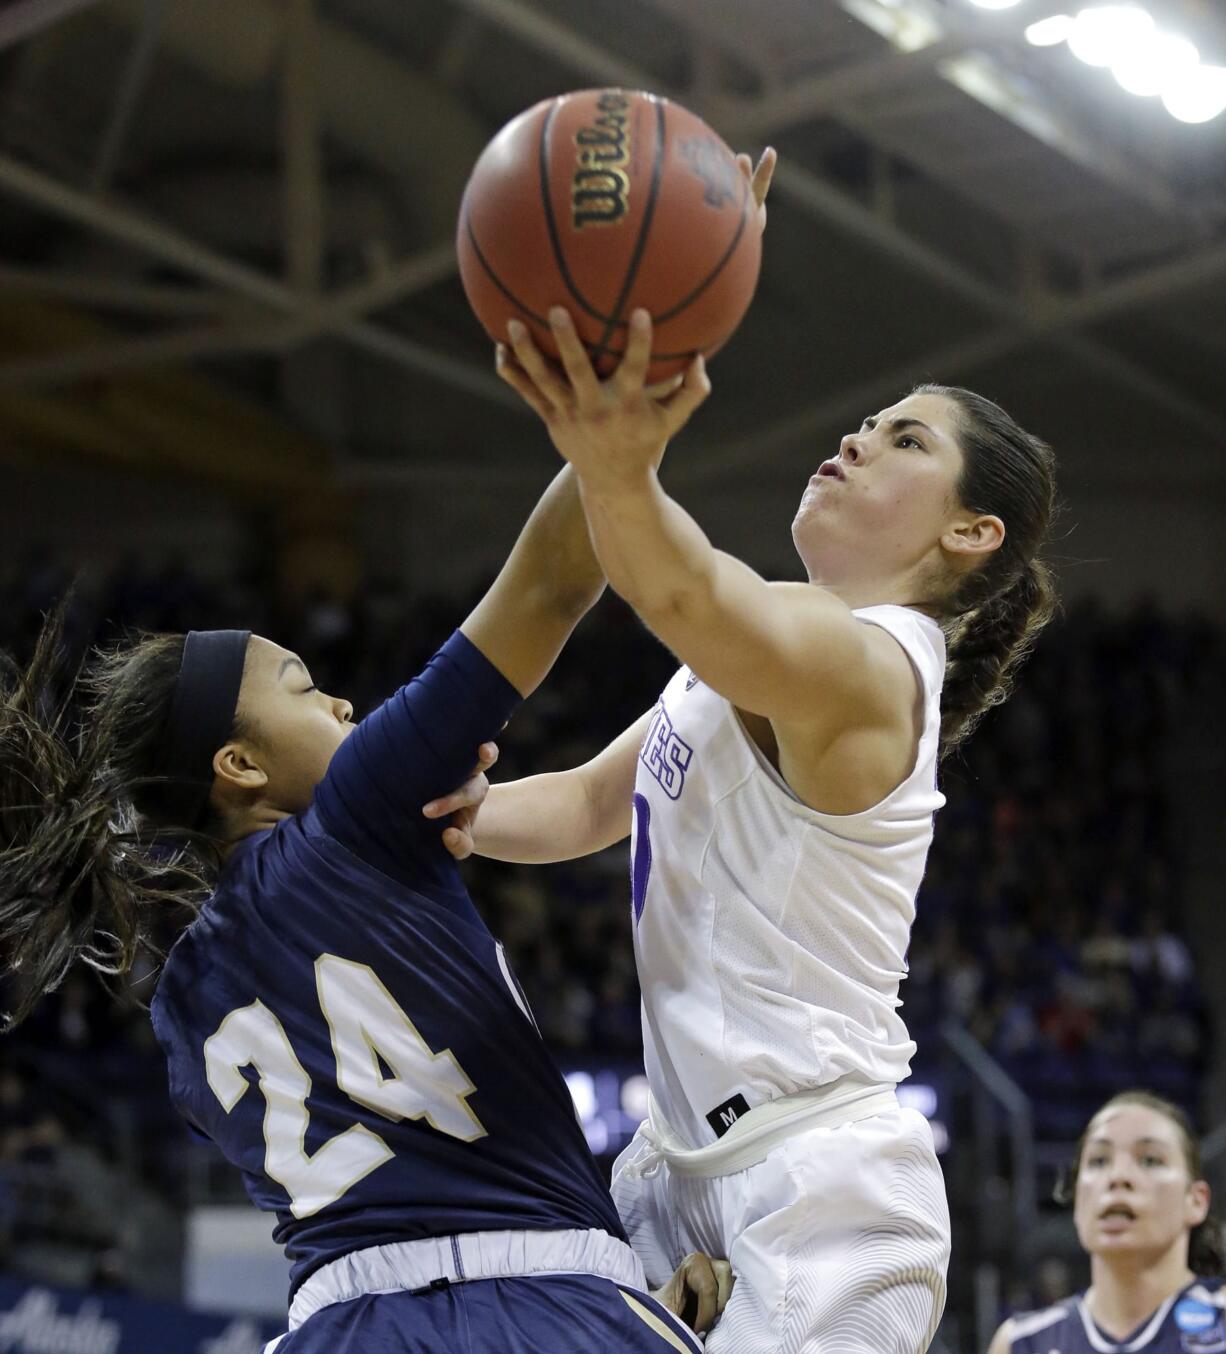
(286, 662)
(1136, 1142)
(898, 424)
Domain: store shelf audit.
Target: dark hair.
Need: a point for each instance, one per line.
(1207, 1240)
(994, 615)
(85, 852)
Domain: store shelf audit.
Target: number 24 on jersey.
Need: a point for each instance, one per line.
(366, 1024)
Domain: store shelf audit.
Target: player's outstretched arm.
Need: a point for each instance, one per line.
(418, 743)
(767, 647)
(556, 816)
(549, 582)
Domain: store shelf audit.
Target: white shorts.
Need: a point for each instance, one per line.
(839, 1238)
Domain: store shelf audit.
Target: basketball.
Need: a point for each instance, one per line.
(603, 201)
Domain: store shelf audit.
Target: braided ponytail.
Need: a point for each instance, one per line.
(987, 645)
(993, 616)
(83, 855)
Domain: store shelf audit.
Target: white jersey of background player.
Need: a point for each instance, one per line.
(783, 792)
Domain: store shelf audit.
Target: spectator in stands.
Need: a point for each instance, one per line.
(30, 1130)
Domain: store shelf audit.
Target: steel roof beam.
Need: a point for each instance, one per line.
(23, 18)
(1048, 322)
(547, 35)
(304, 225)
(132, 83)
(162, 242)
(822, 93)
(107, 293)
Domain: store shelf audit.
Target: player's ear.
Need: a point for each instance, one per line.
(973, 538)
(234, 765)
(1197, 1202)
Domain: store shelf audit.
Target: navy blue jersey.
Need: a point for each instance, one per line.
(342, 1024)
(1191, 1322)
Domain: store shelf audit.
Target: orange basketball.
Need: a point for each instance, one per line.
(603, 201)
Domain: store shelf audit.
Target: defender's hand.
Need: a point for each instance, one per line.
(698, 1292)
(759, 178)
(463, 805)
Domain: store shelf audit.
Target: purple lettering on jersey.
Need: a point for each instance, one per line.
(666, 755)
(640, 858)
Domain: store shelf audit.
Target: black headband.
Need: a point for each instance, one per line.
(201, 719)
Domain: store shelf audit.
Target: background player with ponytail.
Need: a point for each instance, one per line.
(781, 798)
(1157, 1255)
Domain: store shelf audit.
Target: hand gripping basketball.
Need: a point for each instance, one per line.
(612, 431)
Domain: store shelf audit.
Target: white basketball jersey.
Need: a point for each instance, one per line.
(771, 938)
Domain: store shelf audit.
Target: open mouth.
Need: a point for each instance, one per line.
(831, 470)
(1117, 1211)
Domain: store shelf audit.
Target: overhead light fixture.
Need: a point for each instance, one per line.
(1197, 95)
(1105, 34)
(1121, 37)
(908, 27)
(1145, 60)
(1050, 31)
(1154, 66)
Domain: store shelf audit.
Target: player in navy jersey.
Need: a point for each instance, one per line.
(1157, 1257)
(337, 1019)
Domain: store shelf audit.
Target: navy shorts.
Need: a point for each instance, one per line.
(551, 1314)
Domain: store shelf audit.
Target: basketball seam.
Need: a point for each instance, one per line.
(495, 279)
(507, 292)
(551, 225)
(640, 245)
(715, 272)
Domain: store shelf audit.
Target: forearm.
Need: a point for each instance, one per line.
(550, 580)
(653, 552)
(564, 814)
(766, 647)
(542, 819)
(553, 559)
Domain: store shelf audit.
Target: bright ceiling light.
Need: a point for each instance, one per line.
(1154, 66)
(907, 27)
(1050, 31)
(1197, 95)
(1105, 34)
(996, 4)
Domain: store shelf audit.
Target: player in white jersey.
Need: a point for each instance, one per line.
(1157, 1255)
(783, 791)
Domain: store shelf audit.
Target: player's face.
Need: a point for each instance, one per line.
(293, 729)
(879, 507)
(1134, 1193)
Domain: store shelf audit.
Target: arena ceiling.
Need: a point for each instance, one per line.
(226, 231)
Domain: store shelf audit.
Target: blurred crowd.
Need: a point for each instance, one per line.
(1049, 922)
